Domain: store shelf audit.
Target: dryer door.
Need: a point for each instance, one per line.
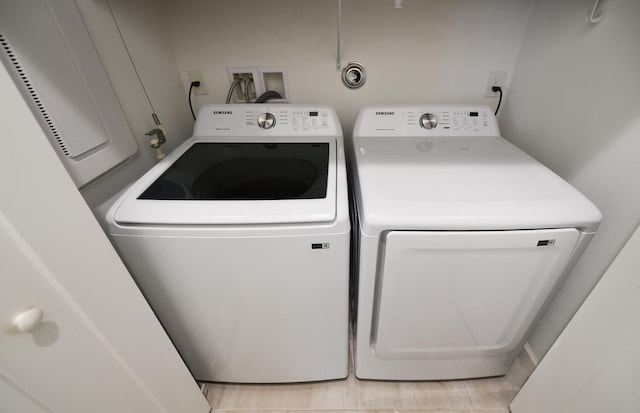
(444, 294)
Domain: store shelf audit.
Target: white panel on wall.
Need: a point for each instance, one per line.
(50, 52)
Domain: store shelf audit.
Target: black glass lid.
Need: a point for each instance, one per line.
(245, 171)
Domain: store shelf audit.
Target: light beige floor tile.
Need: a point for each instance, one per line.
(492, 393)
(231, 396)
(505, 410)
(350, 395)
(356, 411)
(362, 396)
(439, 394)
(338, 394)
(432, 395)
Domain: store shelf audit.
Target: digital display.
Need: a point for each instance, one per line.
(313, 113)
(473, 113)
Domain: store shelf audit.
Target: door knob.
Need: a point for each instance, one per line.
(28, 320)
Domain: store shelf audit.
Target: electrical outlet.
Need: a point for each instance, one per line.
(196, 76)
(496, 78)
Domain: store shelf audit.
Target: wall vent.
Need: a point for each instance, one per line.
(102, 176)
(19, 70)
(47, 49)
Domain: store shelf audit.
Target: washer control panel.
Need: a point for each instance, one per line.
(267, 120)
(450, 120)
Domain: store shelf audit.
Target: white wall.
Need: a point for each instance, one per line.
(427, 52)
(574, 104)
(143, 26)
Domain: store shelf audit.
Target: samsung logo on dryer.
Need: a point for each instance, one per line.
(385, 113)
(223, 112)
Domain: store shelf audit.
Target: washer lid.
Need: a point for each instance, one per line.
(461, 183)
(237, 181)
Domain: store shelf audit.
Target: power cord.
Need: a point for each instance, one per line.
(499, 90)
(193, 84)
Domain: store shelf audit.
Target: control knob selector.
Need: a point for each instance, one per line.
(428, 121)
(266, 121)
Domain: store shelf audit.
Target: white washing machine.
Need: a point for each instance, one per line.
(462, 240)
(239, 239)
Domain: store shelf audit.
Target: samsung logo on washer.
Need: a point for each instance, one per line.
(223, 112)
(385, 113)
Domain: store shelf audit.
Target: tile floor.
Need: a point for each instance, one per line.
(358, 396)
(351, 395)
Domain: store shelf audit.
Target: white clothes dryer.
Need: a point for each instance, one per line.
(462, 240)
(239, 239)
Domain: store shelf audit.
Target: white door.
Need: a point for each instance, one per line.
(98, 346)
(594, 366)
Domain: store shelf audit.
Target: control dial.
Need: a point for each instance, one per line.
(428, 121)
(266, 121)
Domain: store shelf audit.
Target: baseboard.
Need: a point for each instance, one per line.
(531, 355)
(523, 366)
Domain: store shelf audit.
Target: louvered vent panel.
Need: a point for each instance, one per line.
(32, 91)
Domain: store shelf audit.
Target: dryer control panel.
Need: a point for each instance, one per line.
(267, 120)
(427, 120)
